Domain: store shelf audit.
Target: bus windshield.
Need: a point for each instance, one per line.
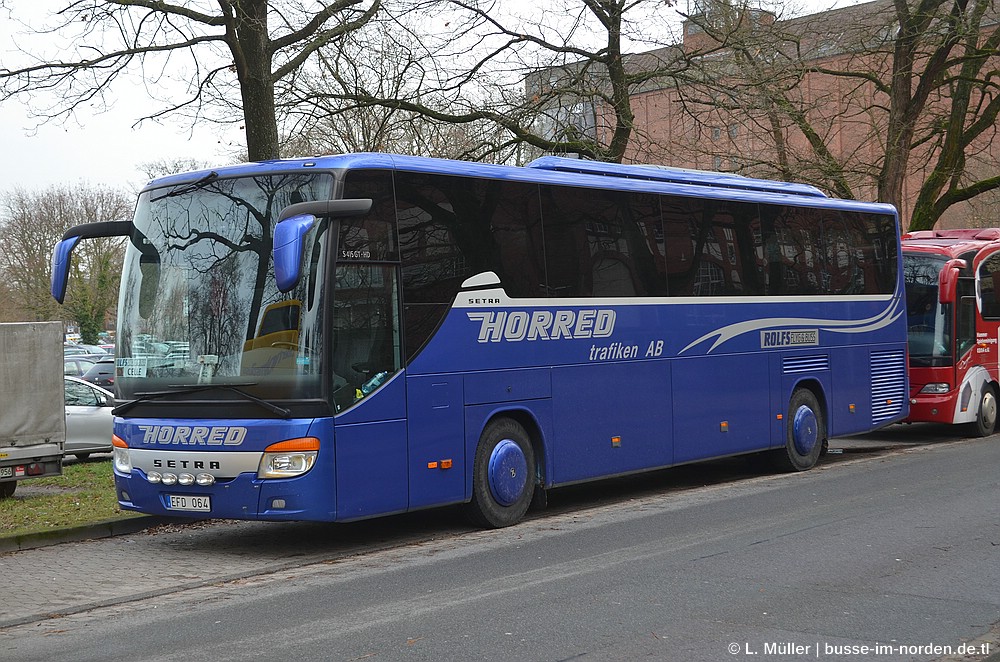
(198, 302)
(929, 323)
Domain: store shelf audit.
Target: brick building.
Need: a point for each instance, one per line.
(690, 120)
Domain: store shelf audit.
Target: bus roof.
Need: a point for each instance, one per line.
(951, 242)
(560, 171)
(660, 173)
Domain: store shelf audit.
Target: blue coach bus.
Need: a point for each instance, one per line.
(351, 336)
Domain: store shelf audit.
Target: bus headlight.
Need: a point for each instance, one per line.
(936, 388)
(123, 463)
(290, 458)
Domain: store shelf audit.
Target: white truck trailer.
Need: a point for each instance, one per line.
(32, 413)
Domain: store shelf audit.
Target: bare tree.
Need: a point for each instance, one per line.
(892, 99)
(232, 60)
(375, 64)
(31, 223)
(555, 79)
(962, 128)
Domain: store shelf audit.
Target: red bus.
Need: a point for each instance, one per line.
(953, 309)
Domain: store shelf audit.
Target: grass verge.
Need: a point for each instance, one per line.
(84, 494)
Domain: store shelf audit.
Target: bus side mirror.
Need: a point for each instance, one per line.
(288, 235)
(60, 267)
(294, 222)
(63, 251)
(948, 280)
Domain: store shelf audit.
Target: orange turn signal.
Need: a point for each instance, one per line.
(293, 445)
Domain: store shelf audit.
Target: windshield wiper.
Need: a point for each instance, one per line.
(177, 389)
(187, 188)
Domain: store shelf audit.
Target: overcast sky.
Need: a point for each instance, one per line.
(97, 148)
(105, 150)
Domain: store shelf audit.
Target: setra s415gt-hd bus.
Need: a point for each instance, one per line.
(350, 336)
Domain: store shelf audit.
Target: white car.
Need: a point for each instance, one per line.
(88, 418)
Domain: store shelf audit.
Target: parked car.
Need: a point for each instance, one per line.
(88, 418)
(102, 373)
(77, 366)
(93, 349)
(80, 352)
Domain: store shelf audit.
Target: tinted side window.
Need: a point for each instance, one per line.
(516, 222)
(714, 247)
(602, 243)
(822, 251)
(873, 252)
(989, 286)
(795, 264)
(373, 235)
(451, 228)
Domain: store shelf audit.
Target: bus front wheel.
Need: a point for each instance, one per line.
(805, 433)
(986, 416)
(503, 480)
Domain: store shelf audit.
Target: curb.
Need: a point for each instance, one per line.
(105, 529)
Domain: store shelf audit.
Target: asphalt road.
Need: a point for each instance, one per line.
(899, 552)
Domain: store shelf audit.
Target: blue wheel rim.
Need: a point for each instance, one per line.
(805, 430)
(508, 472)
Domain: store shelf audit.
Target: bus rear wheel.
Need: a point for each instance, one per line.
(805, 433)
(503, 480)
(986, 416)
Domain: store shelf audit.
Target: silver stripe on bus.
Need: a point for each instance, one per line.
(224, 464)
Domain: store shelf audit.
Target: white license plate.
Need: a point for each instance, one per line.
(6, 472)
(200, 504)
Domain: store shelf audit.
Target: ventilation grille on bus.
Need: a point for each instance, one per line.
(888, 385)
(795, 364)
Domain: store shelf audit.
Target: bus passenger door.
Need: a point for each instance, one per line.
(369, 392)
(436, 439)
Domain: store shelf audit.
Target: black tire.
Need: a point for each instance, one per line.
(503, 479)
(805, 433)
(7, 489)
(82, 456)
(986, 414)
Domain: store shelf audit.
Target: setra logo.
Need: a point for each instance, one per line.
(193, 435)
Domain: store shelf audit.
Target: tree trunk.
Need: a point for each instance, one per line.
(248, 39)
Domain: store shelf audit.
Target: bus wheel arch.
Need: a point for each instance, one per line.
(806, 433)
(539, 498)
(986, 412)
(505, 471)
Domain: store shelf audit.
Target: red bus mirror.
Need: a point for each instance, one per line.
(948, 280)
